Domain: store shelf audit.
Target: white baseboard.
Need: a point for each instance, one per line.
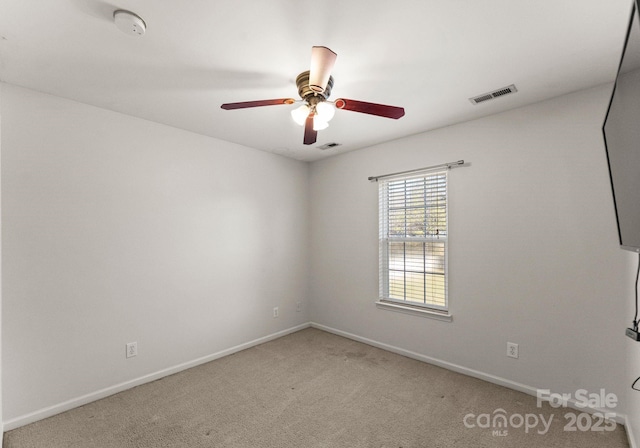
(103, 393)
(619, 418)
(630, 436)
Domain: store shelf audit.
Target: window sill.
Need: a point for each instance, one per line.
(414, 311)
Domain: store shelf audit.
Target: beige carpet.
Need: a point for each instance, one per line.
(308, 389)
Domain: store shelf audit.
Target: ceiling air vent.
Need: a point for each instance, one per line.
(495, 94)
(329, 145)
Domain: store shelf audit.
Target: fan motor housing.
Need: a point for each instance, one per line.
(305, 92)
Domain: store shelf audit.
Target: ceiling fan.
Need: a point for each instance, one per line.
(314, 87)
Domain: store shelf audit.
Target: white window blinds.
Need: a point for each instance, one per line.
(413, 239)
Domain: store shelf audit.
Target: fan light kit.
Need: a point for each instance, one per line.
(314, 87)
(129, 23)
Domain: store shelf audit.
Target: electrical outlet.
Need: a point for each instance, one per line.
(132, 349)
(512, 350)
(299, 307)
(276, 312)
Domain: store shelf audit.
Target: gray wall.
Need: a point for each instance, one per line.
(117, 229)
(632, 352)
(533, 254)
(1, 406)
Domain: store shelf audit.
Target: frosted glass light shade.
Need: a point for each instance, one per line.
(325, 111)
(319, 124)
(300, 114)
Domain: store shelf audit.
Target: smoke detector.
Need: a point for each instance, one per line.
(129, 23)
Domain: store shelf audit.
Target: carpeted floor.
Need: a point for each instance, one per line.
(311, 389)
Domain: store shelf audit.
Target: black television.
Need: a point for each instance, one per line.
(621, 131)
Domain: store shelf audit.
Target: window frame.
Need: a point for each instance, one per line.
(385, 239)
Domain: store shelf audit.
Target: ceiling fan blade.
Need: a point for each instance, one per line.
(245, 104)
(381, 110)
(310, 135)
(322, 61)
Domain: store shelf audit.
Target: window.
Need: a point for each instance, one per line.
(413, 240)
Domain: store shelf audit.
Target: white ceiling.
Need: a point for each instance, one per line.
(425, 55)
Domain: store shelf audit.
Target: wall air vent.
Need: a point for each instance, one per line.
(329, 146)
(495, 94)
